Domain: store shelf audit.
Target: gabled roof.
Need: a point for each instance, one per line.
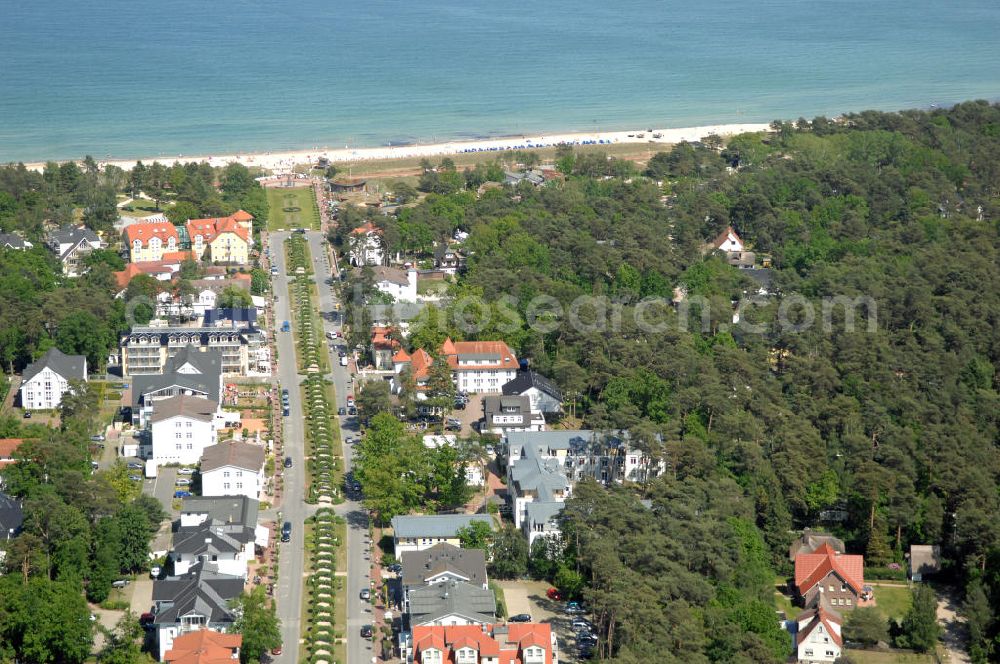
(201, 592)
(367, 227)
(810, 541)
(392, 275)
(435, 525)
(189, 369)
(211, 539)
(7, 448)
(232, 453)
(232, 510)
(68, 366)
(722, 237)
(13, 241)
(419, 566)
(431, 603)
(525, 380)
(497, 353)
(11, 516)
(72, 236)
(242, 215)
(203, 647)
(211, 228)
(811, 568)
(504, 642)
(185, 405)
(147, 231)
(819, 616)
(420, 362)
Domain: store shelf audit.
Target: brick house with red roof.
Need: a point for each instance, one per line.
(515, 643)
(835, 578)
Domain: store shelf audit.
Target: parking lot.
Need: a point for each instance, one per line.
(529, 597)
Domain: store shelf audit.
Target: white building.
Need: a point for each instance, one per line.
(218, 532)
(232, 469)
(506, 414)
(72, 244)
(419, 532)
(818, 638)
(366, 246)
(477, 367)
(182, 427)
(398, 283)
(46, 380)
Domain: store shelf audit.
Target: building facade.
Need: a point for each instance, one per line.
(232, 468)
(146, 350)
(182, 427)
(46, 380)
(150, 241)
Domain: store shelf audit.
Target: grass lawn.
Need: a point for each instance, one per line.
(892, 601)
(143, 207)
(292, 208)
(874, 657)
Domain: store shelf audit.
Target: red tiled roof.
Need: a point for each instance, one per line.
(401, 356)
(500, 349)
(721, 238)
(366, 227)
(507, 648)
(209, 229)
(828, 619)
(203, 647)
(7, 448)
(123, 277)
(177, 257)
(811, 568)
(381, 338)
(144, 232)
(242, 215)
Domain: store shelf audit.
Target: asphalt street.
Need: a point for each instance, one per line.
(293, 507)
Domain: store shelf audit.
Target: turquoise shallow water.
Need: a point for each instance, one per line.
(140, 78)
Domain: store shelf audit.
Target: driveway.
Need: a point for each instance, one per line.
(529, 597)
(162, 488)
(954, 635)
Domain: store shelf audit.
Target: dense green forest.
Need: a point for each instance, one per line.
(895, 424)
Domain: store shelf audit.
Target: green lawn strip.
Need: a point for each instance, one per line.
(891, 657)
(305, 617)
(293, 207)
(892, 601)
(340, 599)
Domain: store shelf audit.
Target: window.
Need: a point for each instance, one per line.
(239, 485)
(848, 601)
(190, 446)
(189, 424)
(830, 653)
(178, 446)
(225, 485)
(188, 434)
(831, 587)
(239, 473)
(177, 424)
(809, 652)
(177, 435)
(225, 473)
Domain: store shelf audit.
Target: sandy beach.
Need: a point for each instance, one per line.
(280, 162)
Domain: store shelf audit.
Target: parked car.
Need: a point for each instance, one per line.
(553, 593)
(135, 465)
(180, 481)
(288, 462)
(357, 487)
(154, 572)
(581, 625)
(27, 415)
(573, 608)
(276, 650)
(520, 617)
(366, 594)
(285, 412)
(119, 583)
(350, 400)
(182, 494)
(147, 618)
(186, 471)
(286, 531)
(352, 411)
(366, 631)
(286, 326)
(94, 465)
(99, 438)
(135, 478)
(341, 411)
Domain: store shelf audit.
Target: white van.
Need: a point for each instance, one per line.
(343, 361)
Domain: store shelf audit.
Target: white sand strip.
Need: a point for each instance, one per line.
(279, 162)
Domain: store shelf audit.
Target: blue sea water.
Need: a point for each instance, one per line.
(129, 78)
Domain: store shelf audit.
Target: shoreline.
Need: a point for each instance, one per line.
(285, 161)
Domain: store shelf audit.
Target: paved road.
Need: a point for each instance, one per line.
(358, 545)
(290, 580)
